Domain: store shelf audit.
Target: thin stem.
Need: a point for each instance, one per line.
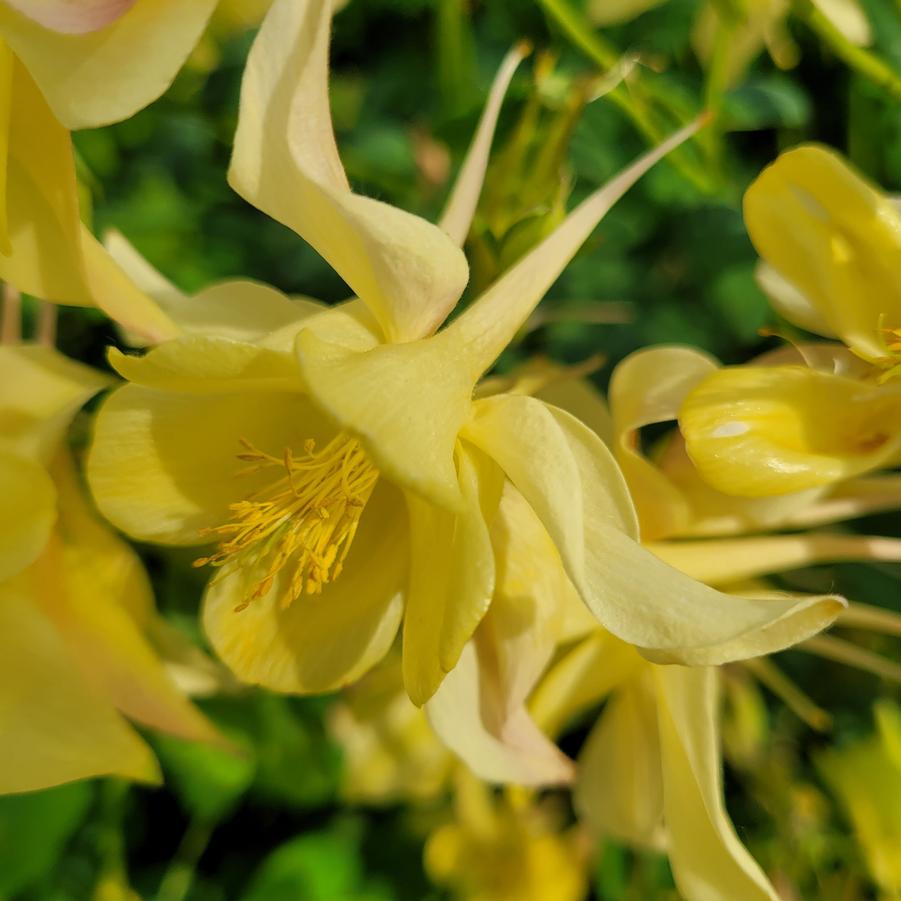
(876, 70)
(842, 651)
(789, 693)
(10, 316)
(874, 619)
(47, 320)
(178, 878)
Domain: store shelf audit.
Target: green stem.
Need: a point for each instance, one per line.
(864, 62)
(178, 878)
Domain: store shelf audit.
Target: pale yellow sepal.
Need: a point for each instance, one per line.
(406, 403)
(479, 711)
(619, 790)
(108, 74)
(27, 513)
(319, 642)
(461, 205)
(452, 574)
(286, 163)
(756, 431)
(56, 727)
(709, 862)
(835, 238)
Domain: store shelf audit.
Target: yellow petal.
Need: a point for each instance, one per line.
(71, 18)
(582, 678)
(619, 790)
(849, 18)
(835, 238)
(139, 54)
(27, 513)
(579, 397)
(40, 392)
(788, 301)
(567, 475)
(487, 326)
(849, 499)
(406, 403)
(7, 68)
(452, 575)
(88, 582)
(479, 711)
(320, 642)
(238, 309)
(461, 205)
(724, 560)
(286, 163)
(709, 862)
(202, 364)
(163, 466)
(648, 387)
(612, 12)
(55, 726)
(756, 431)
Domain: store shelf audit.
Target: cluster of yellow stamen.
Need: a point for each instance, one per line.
(306, 519)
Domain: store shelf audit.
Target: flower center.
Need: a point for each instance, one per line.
(305, 520)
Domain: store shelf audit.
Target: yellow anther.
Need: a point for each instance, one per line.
(306, 519)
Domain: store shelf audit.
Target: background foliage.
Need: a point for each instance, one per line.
(671, 263)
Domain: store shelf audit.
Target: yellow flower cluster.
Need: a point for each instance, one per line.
(482, 561)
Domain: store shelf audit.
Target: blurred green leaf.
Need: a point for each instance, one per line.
(34, 829)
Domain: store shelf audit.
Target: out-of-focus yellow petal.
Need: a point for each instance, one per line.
(27, 512)
(849, 18)
(648, 387)
(7, 68)
(452, 575)
(40, 392)
(724, 560)
(72, 18)
(86, 587)
(406, 403)
(55, 726)
(479, 710)
(756, 431)
(582, 678)
(848, 499)
(461, 205)
(486, 327)
(612, 12)
(709, 862)
(106, 75)
(286, 163)
(788, 301)
(835, 238)
(163, 466)
(319, 642)
(619, 791)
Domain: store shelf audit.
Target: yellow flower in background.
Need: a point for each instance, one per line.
(506, 848)
(75, 601)
(834, 245)
(866, 777)
(369, 476)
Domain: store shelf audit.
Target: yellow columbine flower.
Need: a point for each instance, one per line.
(866, 777)
(834, 245)
(74, 601)
(508, 848)
(367, 414)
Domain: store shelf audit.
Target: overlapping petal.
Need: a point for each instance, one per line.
(286, 163)
(319, 642)
(27, 513)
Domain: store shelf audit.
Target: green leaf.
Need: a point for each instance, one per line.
(34, 829)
